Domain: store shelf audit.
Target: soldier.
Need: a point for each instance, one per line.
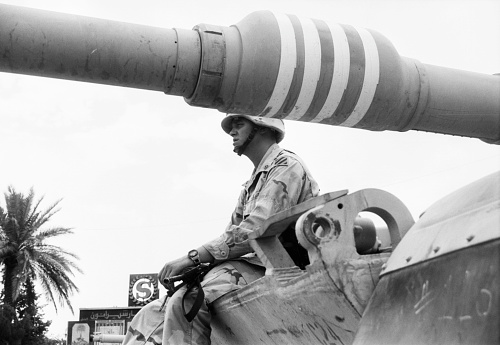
(279, 181)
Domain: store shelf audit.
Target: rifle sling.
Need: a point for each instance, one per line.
(198, 302)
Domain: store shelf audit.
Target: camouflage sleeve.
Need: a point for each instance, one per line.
(278, 191)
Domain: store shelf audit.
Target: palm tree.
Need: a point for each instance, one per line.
(24, 252)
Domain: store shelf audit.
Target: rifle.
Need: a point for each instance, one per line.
(191, 277)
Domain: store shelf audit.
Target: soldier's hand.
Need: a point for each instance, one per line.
(174, 268)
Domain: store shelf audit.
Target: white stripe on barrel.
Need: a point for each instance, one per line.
(288, 62)
(370, 82)
(342, 64)
(312, 69)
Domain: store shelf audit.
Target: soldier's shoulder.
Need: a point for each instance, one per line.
(285, 158)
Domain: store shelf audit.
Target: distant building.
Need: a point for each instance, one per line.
(143, 288)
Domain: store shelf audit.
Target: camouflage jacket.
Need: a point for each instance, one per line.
(279, 182)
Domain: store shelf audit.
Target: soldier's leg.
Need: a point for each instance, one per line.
(222, 279)
(146, 327)
(177, 329)
(229, 276)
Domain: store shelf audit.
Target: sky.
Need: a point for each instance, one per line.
(144, 177)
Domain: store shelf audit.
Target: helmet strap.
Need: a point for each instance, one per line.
(240, 149)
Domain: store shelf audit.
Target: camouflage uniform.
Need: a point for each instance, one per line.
(279, 182)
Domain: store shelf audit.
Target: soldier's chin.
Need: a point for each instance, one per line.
(236, 150)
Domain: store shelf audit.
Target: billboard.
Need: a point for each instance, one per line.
(143, 288)
(79, 332)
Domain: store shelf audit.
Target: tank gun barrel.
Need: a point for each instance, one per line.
(268, 64)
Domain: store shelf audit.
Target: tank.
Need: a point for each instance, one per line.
(437, 283)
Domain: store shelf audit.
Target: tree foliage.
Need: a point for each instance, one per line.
(26, 257)
(23, 325)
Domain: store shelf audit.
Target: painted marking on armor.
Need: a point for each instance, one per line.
(370, 82)
(485, 309)
(298, 73)
(426, 298)
(342, 64)
(288, 61)
(312, 68)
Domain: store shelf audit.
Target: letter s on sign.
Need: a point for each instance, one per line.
(143, 289)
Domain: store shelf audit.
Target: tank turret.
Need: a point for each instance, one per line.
(268, 64)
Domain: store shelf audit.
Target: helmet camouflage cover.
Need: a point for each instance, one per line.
(276, 124)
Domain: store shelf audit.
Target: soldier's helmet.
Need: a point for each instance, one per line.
(276, 124)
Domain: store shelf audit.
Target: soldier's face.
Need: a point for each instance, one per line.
(240, 131)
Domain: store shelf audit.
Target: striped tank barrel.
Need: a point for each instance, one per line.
(268, 64)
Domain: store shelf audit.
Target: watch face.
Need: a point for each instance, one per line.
(194, 256)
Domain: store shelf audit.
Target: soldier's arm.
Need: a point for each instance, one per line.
(281, 191)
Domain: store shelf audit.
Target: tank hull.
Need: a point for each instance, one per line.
(306, 310)
(453, 299)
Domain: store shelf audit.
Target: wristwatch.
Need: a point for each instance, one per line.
(194, 256)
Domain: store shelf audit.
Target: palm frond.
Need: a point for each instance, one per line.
(52, 232)
(52, 270)
(24, 251)
(45, 216)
